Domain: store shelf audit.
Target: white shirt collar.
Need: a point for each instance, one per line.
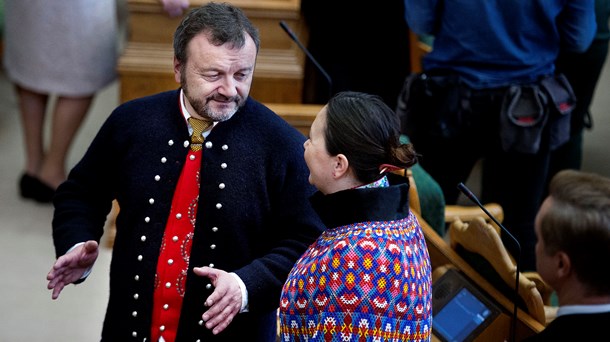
(187, 115)
(582, 309)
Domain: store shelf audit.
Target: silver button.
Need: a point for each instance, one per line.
(147, 219)
(215, 229)
(170, 142)
(170, 261)
(178, 216)
(168, 285)
(140, 257)
(175, 239)
(134, 334)
(157, 178)
(192, 157)
(221, 186)
(136, 296)
(208, 144)
(212, 246)
(143, 238)
(223, 165)
(136, 278)
(225, 147)
(218, 205)
(134, 314)
(163, 160)
(151, 201)
(200, 322)
(165, 307)
(162, 328)
(208, 286)
(186, 143)
(211, 265)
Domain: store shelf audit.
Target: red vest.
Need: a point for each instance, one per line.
(173, 260)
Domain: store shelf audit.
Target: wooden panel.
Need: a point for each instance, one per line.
(299, 116)
(148, 23)
(146, 66)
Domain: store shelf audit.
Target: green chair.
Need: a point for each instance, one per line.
(431, 198)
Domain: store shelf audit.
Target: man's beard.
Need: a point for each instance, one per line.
(203, 108)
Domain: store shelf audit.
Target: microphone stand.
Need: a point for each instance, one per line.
(474, 199)
(311, 58)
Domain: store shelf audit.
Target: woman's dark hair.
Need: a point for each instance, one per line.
(223, 22)
(363, 128)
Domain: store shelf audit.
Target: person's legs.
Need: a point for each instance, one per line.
(68, 116)
(32, 107)
(582, 71)
(448, 138)
(516, 181)
(568, 155)
(448, 162)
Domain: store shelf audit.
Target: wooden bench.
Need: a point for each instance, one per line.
(298, 115)
(146, 65)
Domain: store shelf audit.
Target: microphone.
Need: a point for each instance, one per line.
(474, 199)
(313, 60)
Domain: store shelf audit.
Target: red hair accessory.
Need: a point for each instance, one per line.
(388, 168)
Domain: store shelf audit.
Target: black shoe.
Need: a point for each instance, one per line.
(33, 188)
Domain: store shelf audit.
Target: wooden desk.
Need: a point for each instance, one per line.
(146, 65)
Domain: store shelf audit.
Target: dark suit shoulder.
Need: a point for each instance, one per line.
(575, 327)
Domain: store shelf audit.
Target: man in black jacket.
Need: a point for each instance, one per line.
(208, 265)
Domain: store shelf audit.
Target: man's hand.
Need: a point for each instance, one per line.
(224, 303)
(71, 266)
(175, 8)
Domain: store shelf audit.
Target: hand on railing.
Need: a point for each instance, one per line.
(175, 8)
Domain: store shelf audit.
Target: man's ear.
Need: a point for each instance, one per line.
(341, 166)
(177, 70)
(563, 264)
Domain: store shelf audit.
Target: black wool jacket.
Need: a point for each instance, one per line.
(253, 217)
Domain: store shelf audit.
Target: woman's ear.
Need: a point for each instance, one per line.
(341, 166)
